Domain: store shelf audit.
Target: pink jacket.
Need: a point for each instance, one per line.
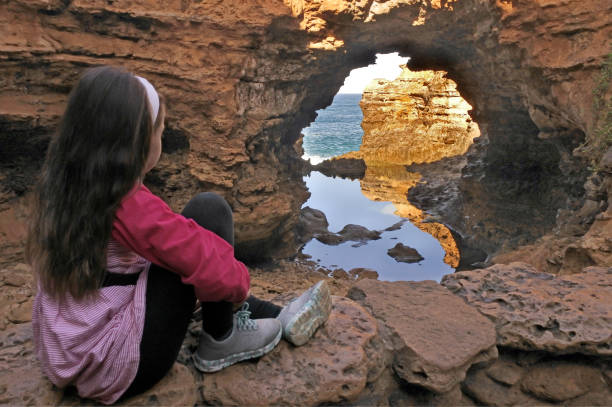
(147, 226)
(94, 345)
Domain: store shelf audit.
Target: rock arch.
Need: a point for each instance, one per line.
(242, 78)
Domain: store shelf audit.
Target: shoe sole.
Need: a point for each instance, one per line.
(315, 312)
(209, 366)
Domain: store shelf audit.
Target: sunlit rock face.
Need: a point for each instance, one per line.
(242, 78)
(418, 117)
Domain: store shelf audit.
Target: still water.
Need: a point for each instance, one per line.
(343, 203)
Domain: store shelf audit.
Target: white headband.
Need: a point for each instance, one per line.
(152, 96)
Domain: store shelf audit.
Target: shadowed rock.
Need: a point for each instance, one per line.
(404, 254)
(342, 167)
(312, 222)
(435, 335)
(538, 311)
(350, 232)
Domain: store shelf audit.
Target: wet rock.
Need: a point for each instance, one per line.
(360, 273)
(335, 365)
(404, 254)
(396, 226)
(538, 311)
(350, 232)
(434, 335)
(357, 233)
(561, 381)
(312, 222)
(331, 239)
(342, 167)
(340, 274)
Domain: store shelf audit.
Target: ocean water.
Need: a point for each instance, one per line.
(336, 130)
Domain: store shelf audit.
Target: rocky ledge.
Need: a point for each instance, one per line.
(387, 343)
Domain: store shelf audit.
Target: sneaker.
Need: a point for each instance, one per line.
(302, 316)
(249, 339)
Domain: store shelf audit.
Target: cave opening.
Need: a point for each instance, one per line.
(384, 118)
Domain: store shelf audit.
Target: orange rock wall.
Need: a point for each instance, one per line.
(417, 118)
(242, 78)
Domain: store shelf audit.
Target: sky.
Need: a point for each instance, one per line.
(386, 66)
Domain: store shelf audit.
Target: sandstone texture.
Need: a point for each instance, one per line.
(534, 378)
(243, 78)
(334, 366)
(354, 358)
(16, 284)
(418, 117)
(434, 335)
(540, 311)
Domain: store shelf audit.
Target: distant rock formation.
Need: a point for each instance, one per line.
(418, 117)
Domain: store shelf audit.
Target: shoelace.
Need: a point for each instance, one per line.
(243, 322)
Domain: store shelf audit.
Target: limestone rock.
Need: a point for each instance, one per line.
(435, 336)
(312, 222)
(350, 232)
(360, 273)
(485, 391)
(342, 167)
(334, 366)
(243, 78)
(21, 380)
(538, 311)
(16, 284)
(505, 372)
(561, 381)
(418, 117)
(177, 388)
(404, 254)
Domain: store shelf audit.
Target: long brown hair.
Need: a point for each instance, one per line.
(92, 162)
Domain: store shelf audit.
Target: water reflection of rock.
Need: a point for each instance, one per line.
(391, 183)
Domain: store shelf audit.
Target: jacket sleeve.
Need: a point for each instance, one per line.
(146, 225)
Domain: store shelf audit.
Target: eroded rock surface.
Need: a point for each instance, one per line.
(537, 378)
(334, 366)
(541, 311)
(418, 117)
(243, 78)
(434, 335)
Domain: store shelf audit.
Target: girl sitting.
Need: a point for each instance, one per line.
(119, 272)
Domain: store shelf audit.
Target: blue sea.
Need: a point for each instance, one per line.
(337, 130)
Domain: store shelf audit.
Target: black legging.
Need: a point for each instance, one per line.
(170, 303)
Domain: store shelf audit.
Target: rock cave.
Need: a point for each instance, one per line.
(242, 78)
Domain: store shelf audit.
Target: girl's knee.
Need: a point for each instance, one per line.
(213, 203)
(212, 212)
